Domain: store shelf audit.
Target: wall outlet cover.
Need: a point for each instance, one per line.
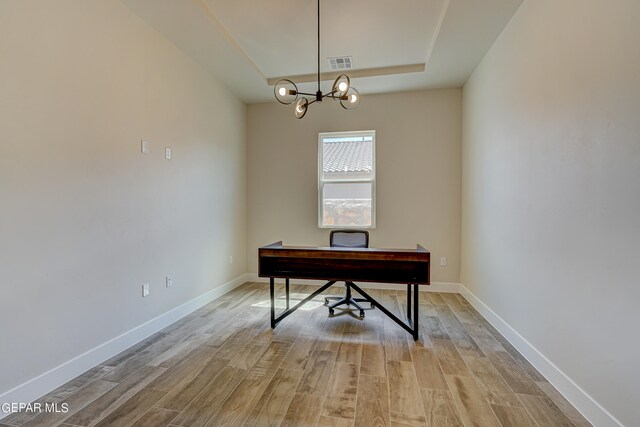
(145, 289)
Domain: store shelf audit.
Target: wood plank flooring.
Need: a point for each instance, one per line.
(223, 366)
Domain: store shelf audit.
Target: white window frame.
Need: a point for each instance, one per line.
(322, 181)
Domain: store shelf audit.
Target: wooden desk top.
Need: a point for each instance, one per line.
(277, 249)
(336, 263)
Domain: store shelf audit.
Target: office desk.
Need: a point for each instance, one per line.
(395, 266)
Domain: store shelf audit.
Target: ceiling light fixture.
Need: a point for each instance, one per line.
(286, 91)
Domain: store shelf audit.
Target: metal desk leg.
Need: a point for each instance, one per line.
(408, 301)
(272, 291)
(286, 286)
(415, 312)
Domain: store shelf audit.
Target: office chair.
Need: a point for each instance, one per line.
(347, 239)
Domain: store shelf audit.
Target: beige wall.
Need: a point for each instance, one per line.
(418, 138)
(551, 189)
(85, 218)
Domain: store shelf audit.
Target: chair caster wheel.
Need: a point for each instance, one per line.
(361, 313)
(331, 312)
(326, 301)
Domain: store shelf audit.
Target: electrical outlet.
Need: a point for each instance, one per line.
(145, 289)
(169, 281)
(443, 261)
(231, 259)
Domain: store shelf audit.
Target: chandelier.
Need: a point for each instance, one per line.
(287, 92)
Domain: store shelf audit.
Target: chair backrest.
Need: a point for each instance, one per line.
(349, 238)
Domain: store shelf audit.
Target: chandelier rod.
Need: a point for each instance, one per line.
(318, 45)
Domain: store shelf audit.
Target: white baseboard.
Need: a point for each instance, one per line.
(54, 378)
(579, 398)
(452, 288)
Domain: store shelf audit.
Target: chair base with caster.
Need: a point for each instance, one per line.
(347, 299)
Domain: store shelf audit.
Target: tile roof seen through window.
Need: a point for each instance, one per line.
(352, 154)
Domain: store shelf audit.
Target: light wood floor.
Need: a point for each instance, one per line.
(223, 365)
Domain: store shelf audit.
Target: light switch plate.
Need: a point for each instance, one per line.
(144, 146)
(169, 281)
(145, 289)
(167, 153)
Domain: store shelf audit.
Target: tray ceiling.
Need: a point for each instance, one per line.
(400, 45)
(280, 35)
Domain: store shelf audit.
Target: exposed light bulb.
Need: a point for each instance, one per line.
(354, 98)
(342, 86)
(282, 91)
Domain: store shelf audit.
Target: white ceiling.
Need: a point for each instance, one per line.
(395, 45)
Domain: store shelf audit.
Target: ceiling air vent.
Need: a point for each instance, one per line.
(340, 63)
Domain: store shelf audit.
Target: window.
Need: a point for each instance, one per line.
(346, 179)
